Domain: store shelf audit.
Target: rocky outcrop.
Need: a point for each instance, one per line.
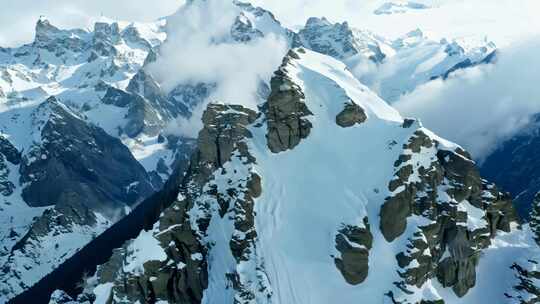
(58, 41)
(224, 235)
(351, 115)
(8, 154)
(86, 177)
(286, 111)
(353, 244)
(151, 109)
(458, 210)
(9, 151)
(181, 276)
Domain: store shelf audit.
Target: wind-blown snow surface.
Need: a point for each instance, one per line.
(340, 183)
(297, 216)
(334, 177)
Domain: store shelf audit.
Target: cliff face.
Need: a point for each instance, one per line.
(323, 193)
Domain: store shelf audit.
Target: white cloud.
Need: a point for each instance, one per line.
(479, 107)
(197, 50)
(502, 21)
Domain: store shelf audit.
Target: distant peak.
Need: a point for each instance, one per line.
(44, 25)
(415, 33)
(45, 30)
(316, 21)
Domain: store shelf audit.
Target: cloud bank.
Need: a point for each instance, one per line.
(480, 107)
(199, 49)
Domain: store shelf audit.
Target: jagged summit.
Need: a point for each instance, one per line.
(340, 40)
(316, 191)
(400, 217)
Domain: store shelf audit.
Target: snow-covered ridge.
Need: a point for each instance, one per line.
(234, 232)
(366, 220)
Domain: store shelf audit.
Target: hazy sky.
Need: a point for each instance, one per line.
(501, 20)
(18, 17)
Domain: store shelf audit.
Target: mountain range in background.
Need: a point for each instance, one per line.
(311, 190)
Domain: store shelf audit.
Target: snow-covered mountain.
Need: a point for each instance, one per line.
(313, 191)
(393, 68)
(275, 210)
(72, 177)
(85, 136)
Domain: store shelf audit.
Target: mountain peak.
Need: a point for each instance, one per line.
(45, 30)
(317, 22)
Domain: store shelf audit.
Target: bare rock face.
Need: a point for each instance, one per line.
(9, 151)
(77, 160)
(353, 244)
(8, 154)
(182, 276)
(286, 111)
(447, 246)
(351, 115)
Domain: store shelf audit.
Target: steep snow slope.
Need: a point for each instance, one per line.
(58, 199)
(326, 195)
(65, 183)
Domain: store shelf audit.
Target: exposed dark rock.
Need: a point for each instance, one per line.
(80, 162)
(399, 206)
(69, 275)
(9, 151)
(58, 41)
(117, 97)
(354, 244)
(447, 248)
(407, 122)
(6, 186)
(351, 115)
(286, 111)
(182, 277)
(143, 118)
(60, 219)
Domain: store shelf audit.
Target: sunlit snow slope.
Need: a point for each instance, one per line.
(326, 195)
